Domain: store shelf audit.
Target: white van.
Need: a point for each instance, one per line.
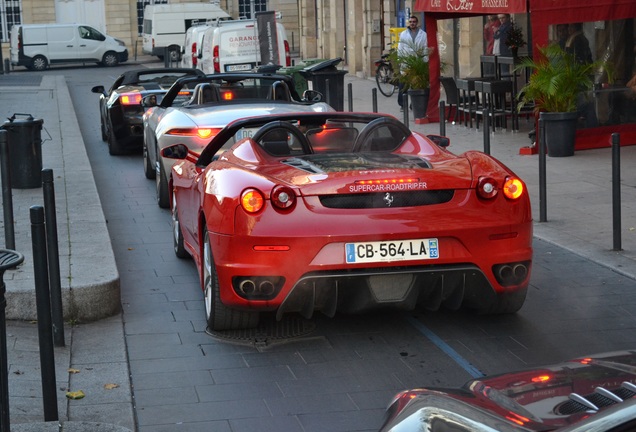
(192, 45)
(231, 46)
(36, 46)
(165, 25)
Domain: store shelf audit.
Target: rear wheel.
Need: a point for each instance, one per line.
(179, 250)
(149, 168)
(114, 147)
(163, 194)
(218, 316)
(384, 78)
(110, 59)
(39, 63)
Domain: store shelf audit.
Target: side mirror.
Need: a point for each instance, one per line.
(312, 96)
(149, 101)
(175, 151)
(441, 141)
(99, 89)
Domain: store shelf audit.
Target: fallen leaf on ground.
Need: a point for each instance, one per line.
(75, 395)
(73, 371)
(110, 386)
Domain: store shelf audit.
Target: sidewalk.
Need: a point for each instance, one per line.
(579, 213)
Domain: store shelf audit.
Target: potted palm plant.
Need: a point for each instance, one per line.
(414, 75)
(558, 86)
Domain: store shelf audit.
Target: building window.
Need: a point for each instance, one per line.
(141, 4)
(245, 7)
(9, 16)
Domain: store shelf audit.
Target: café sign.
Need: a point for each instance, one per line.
(471, 6)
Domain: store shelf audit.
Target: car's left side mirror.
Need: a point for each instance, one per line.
(175, 151)
(312, 96)
(99, 89)
(441, 141)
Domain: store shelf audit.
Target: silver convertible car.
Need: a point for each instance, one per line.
(195, 109)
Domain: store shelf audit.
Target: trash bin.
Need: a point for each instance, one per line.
(300, 82)
(318, 74)
(25, 151)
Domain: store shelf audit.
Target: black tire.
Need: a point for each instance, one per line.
(384, 78)
(114, 147)
(39, 63)
(150, 170)
(177, 236)
(103, 130)
(218, 316)
(507, 303)
(110, 59)
(175, 54)
(163, 192)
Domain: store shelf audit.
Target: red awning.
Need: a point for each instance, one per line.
(471, 7)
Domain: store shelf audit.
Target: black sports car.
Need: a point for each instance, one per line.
(593, 393)
(120, 106)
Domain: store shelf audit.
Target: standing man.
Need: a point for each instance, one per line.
(412, 41)
(501, 34)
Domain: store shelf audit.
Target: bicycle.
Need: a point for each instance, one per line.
(385, 76)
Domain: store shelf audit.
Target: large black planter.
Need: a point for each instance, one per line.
(560, 133)
(419, 102)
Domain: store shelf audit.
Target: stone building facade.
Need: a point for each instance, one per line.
(356, 30)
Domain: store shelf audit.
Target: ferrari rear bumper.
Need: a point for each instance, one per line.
(407, 288)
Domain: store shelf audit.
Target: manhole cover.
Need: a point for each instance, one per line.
(268, 332)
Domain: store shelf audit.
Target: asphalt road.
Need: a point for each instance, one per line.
(341, 373)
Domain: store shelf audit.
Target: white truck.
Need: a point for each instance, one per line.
(165, 25)
(231, 46)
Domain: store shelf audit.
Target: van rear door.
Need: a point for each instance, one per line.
(238, 48)
(63, 42)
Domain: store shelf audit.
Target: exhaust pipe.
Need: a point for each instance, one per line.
(266, 288)
(247, 287)
(505, 273)
(520, 271)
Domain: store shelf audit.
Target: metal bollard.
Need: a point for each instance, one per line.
(43, 307)
(442, 118)
(374, 99)
(616, 190)
(166, 57)
(328, 92)
(53, 257)
(486, 126)
(350, 94)
(7, 194)
(543, 211)
(8, 259)
(405, 104)
(7, 66)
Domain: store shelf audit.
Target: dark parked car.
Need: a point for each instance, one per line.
(594, 393)
(120, 106)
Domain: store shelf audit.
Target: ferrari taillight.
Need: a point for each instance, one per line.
(487, 187)
(130, 99)
(252, 200)
(227, 95)
(283, 197)
(513, 188)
